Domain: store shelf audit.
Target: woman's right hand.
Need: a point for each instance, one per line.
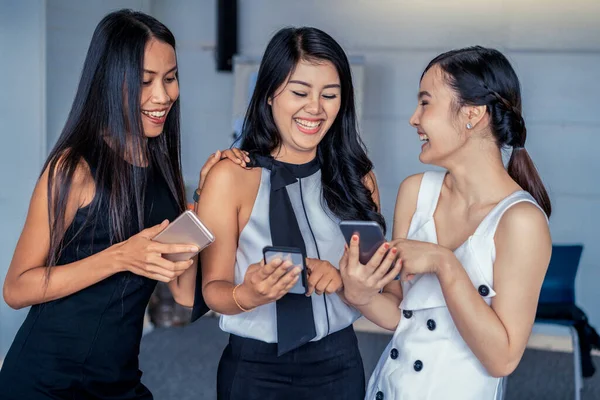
(266, 283)
(362, 282)
(142, 256)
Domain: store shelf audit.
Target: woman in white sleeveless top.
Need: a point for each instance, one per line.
(472, 243)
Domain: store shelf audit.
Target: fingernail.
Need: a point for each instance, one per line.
(354, 238)
(394, 251)
(194, 249)
(386, 246)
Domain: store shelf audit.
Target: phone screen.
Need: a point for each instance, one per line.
(296, 259)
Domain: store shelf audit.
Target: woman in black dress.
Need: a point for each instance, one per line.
(85, 260)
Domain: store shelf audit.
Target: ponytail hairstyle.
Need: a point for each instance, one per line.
(484, 77)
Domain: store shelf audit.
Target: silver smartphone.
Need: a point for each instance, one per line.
(294, 255)
(370, 234)
(185, 229)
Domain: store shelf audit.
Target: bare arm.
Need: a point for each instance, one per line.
(498, 335)
(183, 288)
(221, 208)
(218, 210)
(27, 282)
(382, 309)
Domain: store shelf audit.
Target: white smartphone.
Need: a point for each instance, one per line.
(370, 235)
(294, 255)
(185, 229)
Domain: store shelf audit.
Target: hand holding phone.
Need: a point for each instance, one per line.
(363, 281)
(267, 281)
(295, 256)
(185, 229)
(370, 234)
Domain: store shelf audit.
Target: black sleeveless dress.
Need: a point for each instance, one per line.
(86, 345)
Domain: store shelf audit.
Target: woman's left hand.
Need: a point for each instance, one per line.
(418, 257)
(322, 277)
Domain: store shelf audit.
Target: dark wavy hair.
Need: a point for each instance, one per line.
(484, 77)
(104, 125)
(341, 152)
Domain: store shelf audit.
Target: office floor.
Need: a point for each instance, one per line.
(181, 363)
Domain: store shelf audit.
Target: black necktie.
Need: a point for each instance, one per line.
(295, 319)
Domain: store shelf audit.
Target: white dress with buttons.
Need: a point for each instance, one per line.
(427, 358)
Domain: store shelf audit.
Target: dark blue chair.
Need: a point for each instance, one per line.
(557, 300)
(559, 283)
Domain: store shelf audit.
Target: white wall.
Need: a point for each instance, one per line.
(22, 129)
(553, 45)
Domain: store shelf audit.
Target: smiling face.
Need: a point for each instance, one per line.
(304, 108)
(160, 88)
(436, 119)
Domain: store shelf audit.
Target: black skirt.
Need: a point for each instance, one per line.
(330, 368)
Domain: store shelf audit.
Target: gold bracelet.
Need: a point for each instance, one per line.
(236, 302)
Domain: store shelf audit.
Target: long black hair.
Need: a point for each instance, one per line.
(341, 152)
(104, 128)
(484, 77)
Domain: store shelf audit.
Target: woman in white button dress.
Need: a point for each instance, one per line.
(472, 242)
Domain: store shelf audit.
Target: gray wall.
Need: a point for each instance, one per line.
(22, 129)
(554, 46)
(70, 25)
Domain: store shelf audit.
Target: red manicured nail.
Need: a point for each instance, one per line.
(354, 238)
(386, 246)
(394, 251)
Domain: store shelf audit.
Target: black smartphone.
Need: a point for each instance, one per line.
(296, 257)
(370, 234)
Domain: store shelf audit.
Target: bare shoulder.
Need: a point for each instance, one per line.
(523, 239)
(408, 193)
(228, 173)
(227, 178)
(523, 220)
(35, 238)
(409, 188)
(82, 188)
(228, 194)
